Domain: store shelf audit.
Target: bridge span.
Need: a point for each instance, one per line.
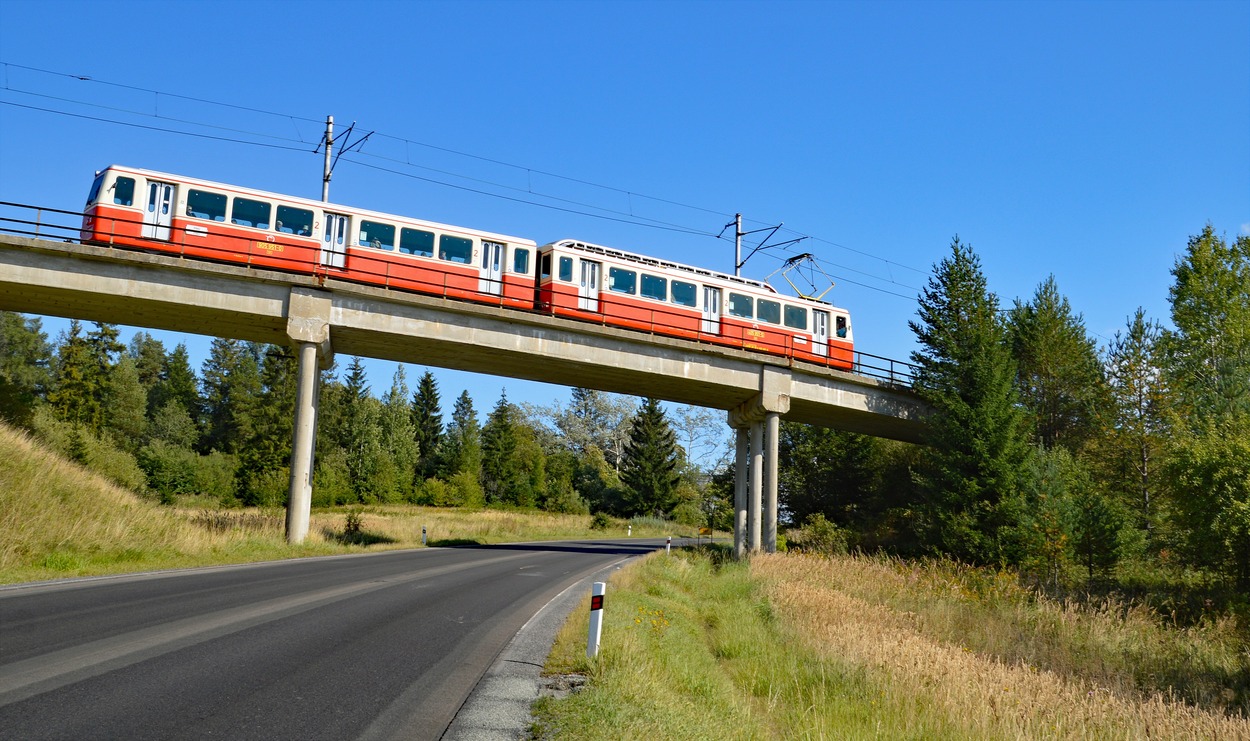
(96, 283)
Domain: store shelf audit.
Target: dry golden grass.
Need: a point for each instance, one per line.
(814, 600)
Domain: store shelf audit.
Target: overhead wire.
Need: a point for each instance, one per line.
(605, 212)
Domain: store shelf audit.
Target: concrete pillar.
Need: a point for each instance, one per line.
(299, 501)
(308, 325)
(740, 493)
(757, 485)
(772, 433)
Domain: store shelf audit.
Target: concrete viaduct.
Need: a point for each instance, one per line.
(60, 278)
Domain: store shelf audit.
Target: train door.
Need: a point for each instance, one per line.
(820, 332)
(160, 210)
(711, 310)
(588, 291)
(491, 281)
(334, 241)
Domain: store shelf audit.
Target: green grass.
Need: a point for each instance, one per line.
(57, 519)
(799, 647)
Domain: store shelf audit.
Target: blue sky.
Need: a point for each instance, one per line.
(1087, 140)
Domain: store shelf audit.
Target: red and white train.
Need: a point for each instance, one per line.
(200, 219)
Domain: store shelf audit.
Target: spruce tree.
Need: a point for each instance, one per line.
(73, 395)
(231, 376)
(265, 454)
(464, 441)
(427, 424)
(649, 465)
(502, 475)
(975, 434)
(399, 436)
(1058, 372)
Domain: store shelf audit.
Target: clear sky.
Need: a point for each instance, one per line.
(1084, 139)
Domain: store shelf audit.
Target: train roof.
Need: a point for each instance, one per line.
(324, 205)
(577, 244)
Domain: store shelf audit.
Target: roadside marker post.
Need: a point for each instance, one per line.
(596, 619)
(668, 547)
(423, 536)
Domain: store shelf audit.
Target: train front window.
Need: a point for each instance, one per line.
(685, 294)
(124, 192)
(297, 221)
(455, 249)
(95, 189)
(247, 212)
(521, 261)
(416, 242)
(205, 205)
(741, 306)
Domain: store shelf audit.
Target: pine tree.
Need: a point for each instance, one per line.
(1209, 352)
(975, 434)
(149, 356)
(25, 365)
(1057, 369)
(399, 436)
(264, 456)
(179, 385)
(503, 477)
(464, 441)
(427, 423)
(127, 400)
(231, 393)
(649, 466)
(1140, 407)
(362, 432)
(73, 395)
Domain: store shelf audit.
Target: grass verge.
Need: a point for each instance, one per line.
(794, 647)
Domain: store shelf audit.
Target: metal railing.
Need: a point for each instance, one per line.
(394, 271)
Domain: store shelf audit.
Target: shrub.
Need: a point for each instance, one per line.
(817, 536)
(600, 521)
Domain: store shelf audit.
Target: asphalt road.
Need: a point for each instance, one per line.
(383, 645)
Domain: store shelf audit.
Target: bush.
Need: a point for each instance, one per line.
(600, 521)
(818, 536)
(92, 452)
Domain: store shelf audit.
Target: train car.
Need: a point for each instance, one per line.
(589, 282)
(205, 220)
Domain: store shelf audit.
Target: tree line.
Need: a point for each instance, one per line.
(1048, 453)
(1045, 452)
(143, 416)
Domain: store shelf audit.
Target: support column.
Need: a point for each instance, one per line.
(762, 414)
(740, 494)
(772, 432)
(308, 325)
(757, 481)
(299, 500)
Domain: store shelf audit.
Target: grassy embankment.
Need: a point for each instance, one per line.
(58, 519)
(854, 648)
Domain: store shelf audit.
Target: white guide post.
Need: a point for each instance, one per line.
(596, 619)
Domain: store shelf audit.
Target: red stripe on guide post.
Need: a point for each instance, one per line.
(596, 602)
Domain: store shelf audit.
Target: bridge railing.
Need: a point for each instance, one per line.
(387, 271)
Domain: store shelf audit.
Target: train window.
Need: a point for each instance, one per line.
(455, 249)
(741, 306)
(124, 192)
(297, 221)
(375, 235)
(416, 242)
(621, 280)
(768, 311)
(566, 269)
(204, 205)
(796, 317)
(250, 213)
(544, 266)
(95, 189)
(521, 261)
(841, 324)
(654, 287)
(685, 294)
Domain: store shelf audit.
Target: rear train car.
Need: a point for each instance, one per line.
(584, 281)
(212, 221)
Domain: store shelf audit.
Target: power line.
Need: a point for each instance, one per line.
(612, 214)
